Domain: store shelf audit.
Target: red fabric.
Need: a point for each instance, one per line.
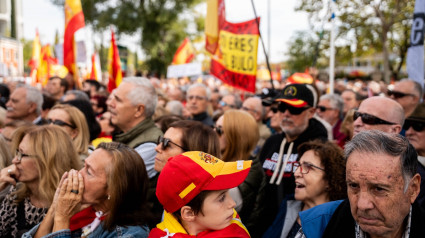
(76, 22)
(240, 81)
(115, 73)
(83, 218)
(233, 230)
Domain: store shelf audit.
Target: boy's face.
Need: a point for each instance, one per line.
(217, 211)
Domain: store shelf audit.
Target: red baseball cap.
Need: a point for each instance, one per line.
(185, 176)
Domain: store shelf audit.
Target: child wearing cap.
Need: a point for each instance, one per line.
(193, 188)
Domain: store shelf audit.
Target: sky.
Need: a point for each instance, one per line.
(284, 22)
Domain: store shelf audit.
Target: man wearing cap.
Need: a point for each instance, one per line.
(296, 106)
(193, 188)
(415, 133)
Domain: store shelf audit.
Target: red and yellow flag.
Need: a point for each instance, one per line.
(47, 61)
(35, 59)
(114, 65)
(95, 67)
(215, 19)
(74, 20)
(184, 53)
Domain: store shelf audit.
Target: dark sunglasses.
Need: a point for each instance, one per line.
(59, 123)
(282, 107)
(219, 130)
(371, 120)
(417, 126)
(166, 142)
(324, 109)
(397, 94)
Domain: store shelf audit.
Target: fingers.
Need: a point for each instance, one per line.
(81, 184)
(75, 182)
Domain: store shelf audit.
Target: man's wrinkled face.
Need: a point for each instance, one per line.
(197, 101)
(375, 188)
(17, 106)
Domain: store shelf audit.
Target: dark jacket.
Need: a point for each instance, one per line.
(204, 118)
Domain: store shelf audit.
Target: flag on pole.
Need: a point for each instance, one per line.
(415, 53)
(95, 67)
(184, 53)
(74, 20)
(47, 61)
(216, 17)
(114, 65)
(35, 59)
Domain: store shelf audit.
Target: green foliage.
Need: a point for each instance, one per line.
(27, 53)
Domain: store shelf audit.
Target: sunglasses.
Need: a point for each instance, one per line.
(282, 107)
(223, 104)
(59, 123)
(166, 143)
(417, 126)
(219, 130)
(397, 94)
(324, 109)
(371, 120)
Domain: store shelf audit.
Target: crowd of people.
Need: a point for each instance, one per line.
(180, 158)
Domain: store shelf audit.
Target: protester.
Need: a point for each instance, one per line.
(193, 188)
(5, 154)
(98, 103)
(351, 99)
(91, 87)
(24, 104)
(319, 177)
(43, 154)
(408, 93)
(114, 184)
(89, 115)
(56, 87)
(73, 122)
(197, 102)
(163, 122)
(382, 185)
(228, 102)
(132, 105)
(10, 127)
(330, 109)
(75, 95)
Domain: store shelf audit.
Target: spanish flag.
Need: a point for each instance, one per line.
(95, 67)
(45, 68)
(184, 53)
(114, 65)
(35, 59)
(216, 17)
(74, 20)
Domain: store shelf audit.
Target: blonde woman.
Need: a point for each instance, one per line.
(72, 120)
(43, 154)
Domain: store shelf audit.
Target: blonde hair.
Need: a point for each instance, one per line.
(77, 119)
(54, 155)
(241, 132)
(5, 153)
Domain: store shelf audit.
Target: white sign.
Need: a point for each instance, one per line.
(182, 70)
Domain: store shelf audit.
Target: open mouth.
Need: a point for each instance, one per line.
(298, 185)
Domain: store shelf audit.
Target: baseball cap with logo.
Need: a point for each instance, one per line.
(185, 176)
(298, 95)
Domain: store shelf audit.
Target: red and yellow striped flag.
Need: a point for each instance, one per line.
(35, 59)
(184, 53)
(47, 61)
(74, 20)
(95, 67)
(216, 17)
(114, 65)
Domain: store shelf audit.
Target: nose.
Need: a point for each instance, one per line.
(231, 202)
(297, 172)
(15, 160)
(158, 148)
(358, 122)
(364, 201)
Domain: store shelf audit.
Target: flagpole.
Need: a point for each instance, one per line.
(332, 53)
(262, 43)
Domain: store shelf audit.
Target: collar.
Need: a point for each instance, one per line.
(200, 117)
(128, 136)
(421, 160)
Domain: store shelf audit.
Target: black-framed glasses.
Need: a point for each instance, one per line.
(166, 142)
(19, 155)
(324, 109)
(282, 107)
(219, 130)
(416, 125)
(196, 97)
(397, 94)
(59, 123)
(304, 167)
(223, 104)
(370, 119)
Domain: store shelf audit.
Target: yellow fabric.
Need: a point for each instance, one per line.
(211, 21)
(187, 190)
(171, 223)
(72, 8)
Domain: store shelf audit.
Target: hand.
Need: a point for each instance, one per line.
(70, 195)
(58, 189)
(8, 176)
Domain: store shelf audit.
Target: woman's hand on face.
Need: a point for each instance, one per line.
(69, 196)
(8, 176)
(58, 190)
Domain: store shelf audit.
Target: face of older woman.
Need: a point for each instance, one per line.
(310, 187)
(174, 135)
(25, 162)
(61, 118)
(95, 178)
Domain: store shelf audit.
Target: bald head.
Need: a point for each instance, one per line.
(384, 109)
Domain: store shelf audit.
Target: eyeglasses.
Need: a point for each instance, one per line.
(19, 155)
(417, 126)
(59, 123)
(282, 107)
(166, 142)
(324, 109)
(397, 94)
(249, 110)
(219, 130)
(223, 104)
(304, 167)
(371, 120)
(198, 98)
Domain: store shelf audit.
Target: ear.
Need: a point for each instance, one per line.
(74, 133)
(187, 214)
(396, 129)
(32, 108)
(311, 112)
(140, 110)
(414, 188)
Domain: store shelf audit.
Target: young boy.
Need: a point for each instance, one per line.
(193, 188)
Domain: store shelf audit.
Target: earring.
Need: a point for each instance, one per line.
(109, 197)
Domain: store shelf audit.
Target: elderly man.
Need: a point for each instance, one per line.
(197, 102)
(379, 113)
(351, 100)
(296, 107)
(132, 106)
(229, 101)
(25, 103)
(408, 93)
(56, 87)
(382, 186)
(330, 109)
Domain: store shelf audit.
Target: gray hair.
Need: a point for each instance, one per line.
(378, 142)
(200, 85)
(79, 95)
(144, 93)
(175, 107)
(336, 102)
(33, 96)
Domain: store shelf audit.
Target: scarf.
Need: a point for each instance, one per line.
(85, 217)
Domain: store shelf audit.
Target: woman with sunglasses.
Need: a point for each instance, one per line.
(319, 178)
(72, 120)
(42, 155)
